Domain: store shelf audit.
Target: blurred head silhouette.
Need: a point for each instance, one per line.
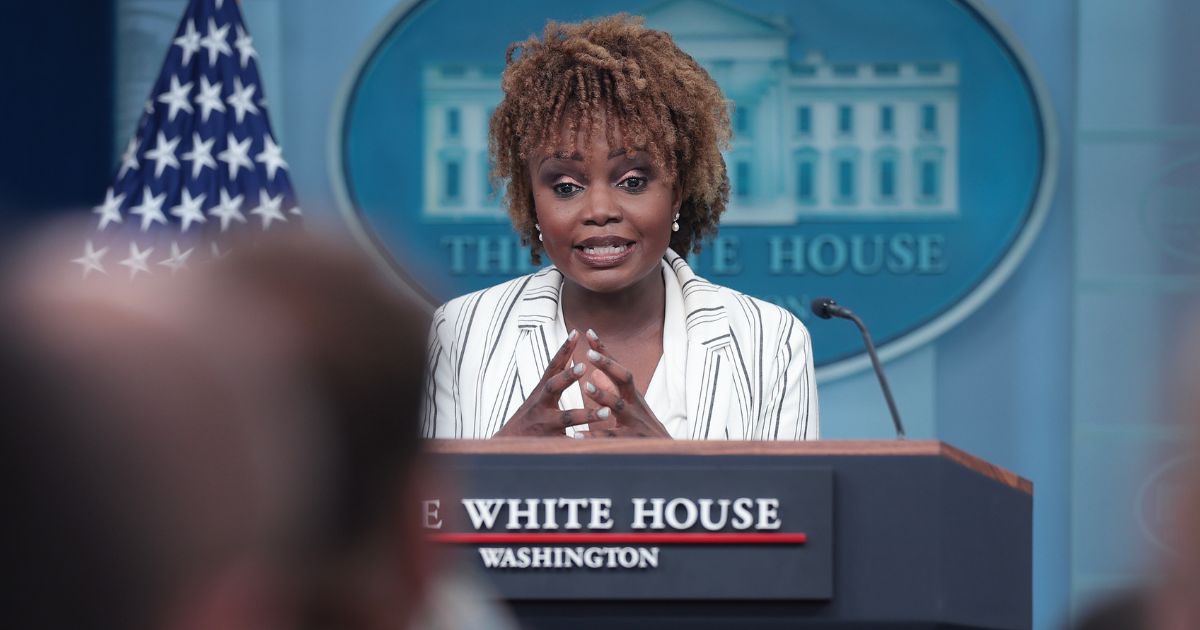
(1175, 604)
(1169, 597)
(231, 447)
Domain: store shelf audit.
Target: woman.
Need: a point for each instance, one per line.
(608, 141)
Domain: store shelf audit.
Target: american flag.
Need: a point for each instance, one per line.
(203, 162)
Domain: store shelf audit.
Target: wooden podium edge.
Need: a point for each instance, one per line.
(613, 446)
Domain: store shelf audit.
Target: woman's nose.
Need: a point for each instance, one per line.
(602, 206)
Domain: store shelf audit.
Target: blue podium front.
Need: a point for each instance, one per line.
(647, 533)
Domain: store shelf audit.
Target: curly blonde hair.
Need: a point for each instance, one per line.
(612, 73)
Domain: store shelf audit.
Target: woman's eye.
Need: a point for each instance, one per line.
(633, 183)
(564, 189)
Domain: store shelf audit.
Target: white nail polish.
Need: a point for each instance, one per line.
(591, 388)
(603, 413)
(578, 369)
(593, 355)
(573, 335)
(592, 335)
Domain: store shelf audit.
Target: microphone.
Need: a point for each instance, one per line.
(825, 308)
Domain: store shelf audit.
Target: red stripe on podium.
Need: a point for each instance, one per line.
(648, 538)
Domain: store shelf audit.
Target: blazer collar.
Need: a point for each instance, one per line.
(707, 321)
(707, 378)
(538, 305)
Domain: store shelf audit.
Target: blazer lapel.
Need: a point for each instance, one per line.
(539, 337)
(709, 368)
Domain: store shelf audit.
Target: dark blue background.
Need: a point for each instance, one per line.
(56, 108)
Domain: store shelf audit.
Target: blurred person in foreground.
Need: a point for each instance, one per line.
(1175, 604)
(156, 445)
(233, 447)
(1169, 598)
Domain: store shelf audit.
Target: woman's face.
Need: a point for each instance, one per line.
(605, 217)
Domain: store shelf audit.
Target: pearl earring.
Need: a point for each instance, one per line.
(675, 223)
(539, 229)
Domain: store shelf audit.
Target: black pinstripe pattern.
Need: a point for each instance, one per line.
(713, 397)
(786, 347)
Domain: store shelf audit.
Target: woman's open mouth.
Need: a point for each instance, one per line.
(604, 251)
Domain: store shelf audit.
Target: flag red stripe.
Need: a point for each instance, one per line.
(657, 538)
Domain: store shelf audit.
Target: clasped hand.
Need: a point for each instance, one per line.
(540, 414)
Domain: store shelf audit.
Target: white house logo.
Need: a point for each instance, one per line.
(895, 153)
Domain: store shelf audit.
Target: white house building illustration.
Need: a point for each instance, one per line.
(870, 140)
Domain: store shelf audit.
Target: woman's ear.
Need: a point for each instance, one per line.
(677, 195)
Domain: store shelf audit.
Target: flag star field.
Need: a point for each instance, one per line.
(203, 162)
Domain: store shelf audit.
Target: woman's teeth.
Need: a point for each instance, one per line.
(609, 249)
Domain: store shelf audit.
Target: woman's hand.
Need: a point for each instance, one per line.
(633, 416)
(540, 415)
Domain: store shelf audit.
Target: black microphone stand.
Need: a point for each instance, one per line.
(826, 308)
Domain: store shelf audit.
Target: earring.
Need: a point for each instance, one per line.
(539, 229)
(675, 223)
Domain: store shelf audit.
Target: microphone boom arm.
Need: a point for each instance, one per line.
(825, 308)
(883, 384)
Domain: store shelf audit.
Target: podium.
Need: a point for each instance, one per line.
(659, 533)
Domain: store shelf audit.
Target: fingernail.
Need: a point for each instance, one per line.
(593, 355)
(573, 335)
(603, 413)
(591, 388)
(578, 369)
(592, 335)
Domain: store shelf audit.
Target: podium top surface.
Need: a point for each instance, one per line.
(616, 446)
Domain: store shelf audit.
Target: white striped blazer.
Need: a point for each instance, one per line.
(748, 372)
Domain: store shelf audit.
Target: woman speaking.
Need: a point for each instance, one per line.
(608, 143)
